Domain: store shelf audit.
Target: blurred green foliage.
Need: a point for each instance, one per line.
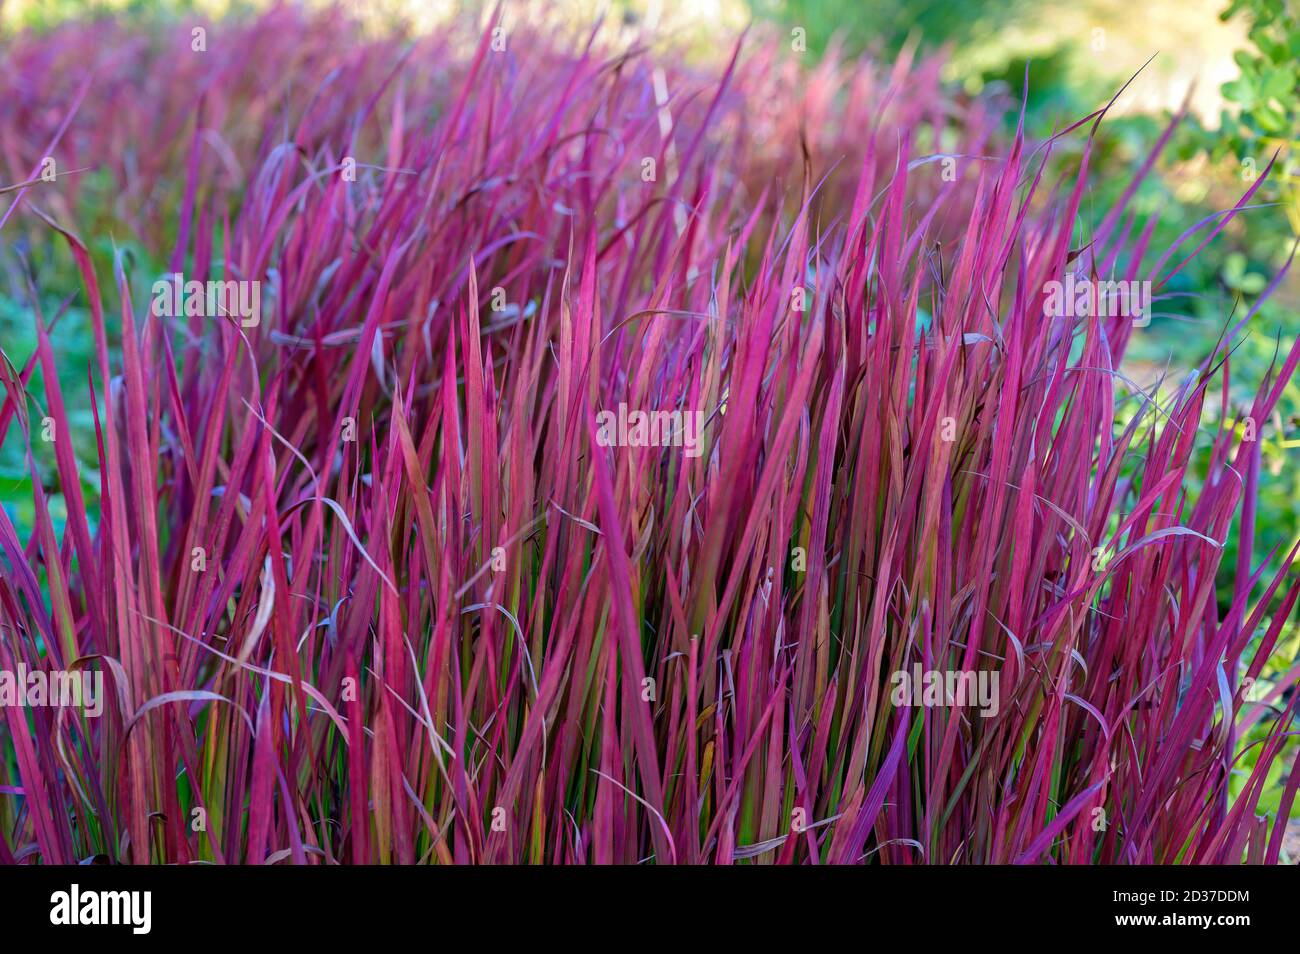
(1265, 118)
(884, 26)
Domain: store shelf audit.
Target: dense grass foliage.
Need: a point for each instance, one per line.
(368, 583)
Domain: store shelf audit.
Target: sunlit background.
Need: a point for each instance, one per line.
(1192, 43)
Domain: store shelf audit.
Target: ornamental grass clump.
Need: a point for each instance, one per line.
(625, 463)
